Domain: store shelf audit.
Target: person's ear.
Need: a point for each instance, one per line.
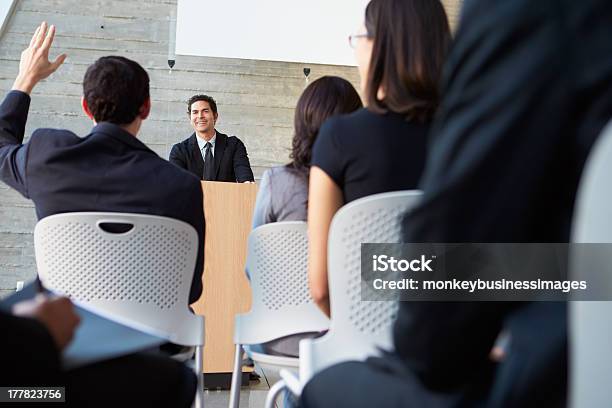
(216, 116)
(86, 108)
(145, 109)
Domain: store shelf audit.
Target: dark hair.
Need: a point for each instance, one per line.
(205, 98)
(115, 89)
(323, 98)
(411, 39)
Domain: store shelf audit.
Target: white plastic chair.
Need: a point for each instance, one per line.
(358, 329)
(277, 262)
(141, 277)
(590, 328)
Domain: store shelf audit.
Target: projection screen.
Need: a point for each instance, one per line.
(310, 31)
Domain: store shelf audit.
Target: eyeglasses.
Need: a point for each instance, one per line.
(352, 39)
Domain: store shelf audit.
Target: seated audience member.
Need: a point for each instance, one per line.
(527, 90)
(107, 170)
(31, 343)
(283, 191)
(400, 51)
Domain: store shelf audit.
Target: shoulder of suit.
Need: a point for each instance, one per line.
(56, 137)
(186, 141)
(233, 140)
(179, 175)
(183, 143)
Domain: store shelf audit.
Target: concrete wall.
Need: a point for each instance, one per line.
(255, 98)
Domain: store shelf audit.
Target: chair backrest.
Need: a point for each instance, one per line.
(277, 262)
(590, 328)
(140, 274)
(358, 328)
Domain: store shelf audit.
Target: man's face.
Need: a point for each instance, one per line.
(202, 117)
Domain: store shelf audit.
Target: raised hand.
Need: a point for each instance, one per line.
(34, 65)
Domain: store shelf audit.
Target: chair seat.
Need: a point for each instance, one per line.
(275, 361)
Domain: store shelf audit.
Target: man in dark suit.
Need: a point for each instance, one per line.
(107, 170)
(527, 90)
(37, 331)
(208, 154)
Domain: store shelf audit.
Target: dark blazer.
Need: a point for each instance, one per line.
(107, 170)
(30, 357)
(29, 350)
(230, 158)
(527, 90)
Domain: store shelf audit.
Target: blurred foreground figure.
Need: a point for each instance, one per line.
(38, 330)
(527, 90)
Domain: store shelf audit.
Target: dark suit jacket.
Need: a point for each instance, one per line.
(30, 357)
(527, 90)
(28, 353)
(230, 158)
(107, 170)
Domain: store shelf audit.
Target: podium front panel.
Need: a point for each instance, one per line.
(228, 211)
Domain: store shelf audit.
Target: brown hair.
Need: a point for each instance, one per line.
(411, 39)
(323, 98)
(205, 98)
(115, 89)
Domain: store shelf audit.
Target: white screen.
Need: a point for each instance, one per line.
(5, 9)
(311, 31)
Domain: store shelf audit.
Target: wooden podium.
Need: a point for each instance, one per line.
(228, 210)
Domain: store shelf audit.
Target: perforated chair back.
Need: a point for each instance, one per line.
(277, 262)
(590, 328)
(141, 277)
(358, 328)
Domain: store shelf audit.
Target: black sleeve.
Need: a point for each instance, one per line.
(242, 167)
(28, 354)
(327, 153)
(14, 154)
(498, 135)
(496, 138)
(178, 157)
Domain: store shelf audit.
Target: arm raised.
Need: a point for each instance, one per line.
(34, 65)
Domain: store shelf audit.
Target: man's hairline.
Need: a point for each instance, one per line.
(202, 100)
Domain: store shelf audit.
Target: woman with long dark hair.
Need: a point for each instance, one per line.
(400, 50)
(283, 191)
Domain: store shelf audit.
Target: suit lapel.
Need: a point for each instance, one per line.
(220, 145)
(196, 156)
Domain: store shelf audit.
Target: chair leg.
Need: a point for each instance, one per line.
(234, 401)
(199, 370)
(275, 390)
